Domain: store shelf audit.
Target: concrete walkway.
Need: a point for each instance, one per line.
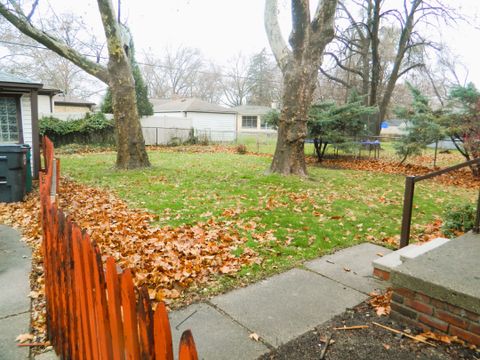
(15, 263)
(280, 308)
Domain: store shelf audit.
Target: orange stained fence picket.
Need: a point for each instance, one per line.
(94, 311)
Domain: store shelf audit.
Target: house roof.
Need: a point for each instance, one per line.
(70, 100)
(252, 109)
(11, 80)
(190, 105)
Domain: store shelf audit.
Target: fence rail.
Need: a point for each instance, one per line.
(95, 312)
(410, 182)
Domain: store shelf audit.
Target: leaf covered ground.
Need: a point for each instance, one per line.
(204, 221)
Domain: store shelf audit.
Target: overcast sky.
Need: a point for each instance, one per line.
(223, 28)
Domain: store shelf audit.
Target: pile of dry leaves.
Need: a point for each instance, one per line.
(166, 259)
(381, 302)
(462, 177)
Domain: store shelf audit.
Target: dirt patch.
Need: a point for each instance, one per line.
(362, 344)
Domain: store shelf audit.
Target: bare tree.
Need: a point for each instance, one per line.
(299, 64)
(362, 48)
(117, 74)
(236, 82)
(24, 56)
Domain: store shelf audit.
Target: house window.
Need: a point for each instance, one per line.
(249, 122)
(9, 129)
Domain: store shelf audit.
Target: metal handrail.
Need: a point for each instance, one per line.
(410, 182)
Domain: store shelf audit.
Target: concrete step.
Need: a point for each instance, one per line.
(384, 265)
(416, 250)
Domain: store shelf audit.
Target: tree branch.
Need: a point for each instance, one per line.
(300, 26)
(403, 72)
(323, 29)
(333, 78)
(54, 44)
(272, 27)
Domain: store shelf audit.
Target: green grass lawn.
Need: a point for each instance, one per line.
(308, 217)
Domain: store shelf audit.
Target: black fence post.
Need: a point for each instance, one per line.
(407, 210)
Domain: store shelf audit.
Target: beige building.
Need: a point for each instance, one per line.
(249, 119)
(69, 104)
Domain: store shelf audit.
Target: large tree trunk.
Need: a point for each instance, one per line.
(299, 85)
(131, 151)
(299, 67)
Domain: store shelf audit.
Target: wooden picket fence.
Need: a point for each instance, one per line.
(95, 312)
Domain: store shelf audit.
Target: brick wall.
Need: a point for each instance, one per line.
(420, 310)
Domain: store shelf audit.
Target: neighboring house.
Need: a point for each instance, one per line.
(393, 127)
(71, 104)
(249, 118)
(213, 121)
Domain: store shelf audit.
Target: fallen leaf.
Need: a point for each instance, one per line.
(386, 346)
(254, 336)
(22, 338)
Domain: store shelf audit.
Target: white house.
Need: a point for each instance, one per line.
(213, 121)
(250, 119)
(19, 109)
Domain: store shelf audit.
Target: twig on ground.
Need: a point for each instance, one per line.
(403, 333)
(355, 327)
(324, 350)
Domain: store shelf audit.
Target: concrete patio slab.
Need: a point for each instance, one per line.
(448, 273)
(216, 336)
(10, 328)
(14, 289)
(352, 266)
(15, 264)
(285, 306)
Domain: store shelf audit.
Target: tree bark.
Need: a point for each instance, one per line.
(299, 66)
(131, 151)
(299, 85)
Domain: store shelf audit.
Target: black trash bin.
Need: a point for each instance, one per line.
(13, 166)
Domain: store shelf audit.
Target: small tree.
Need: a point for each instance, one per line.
(462, 122)
(329, 123)
(422, 126)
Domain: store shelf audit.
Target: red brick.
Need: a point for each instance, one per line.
(438, 304)
(433, 322)
(419, 306)
(474, 317)
(422, 297)
(406, 293)
(469, 337)
(381, 274)
(409, 322)
(405, 311)
(475, 328)
(397, 298)
(452, 319)
(457, 310)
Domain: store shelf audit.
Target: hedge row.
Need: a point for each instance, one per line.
(94, 128)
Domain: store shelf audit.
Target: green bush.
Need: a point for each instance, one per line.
(94, 128)
(459, 219)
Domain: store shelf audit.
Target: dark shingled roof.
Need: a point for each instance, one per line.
(15, 79)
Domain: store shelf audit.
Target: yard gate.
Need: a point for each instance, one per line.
(95, 312)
